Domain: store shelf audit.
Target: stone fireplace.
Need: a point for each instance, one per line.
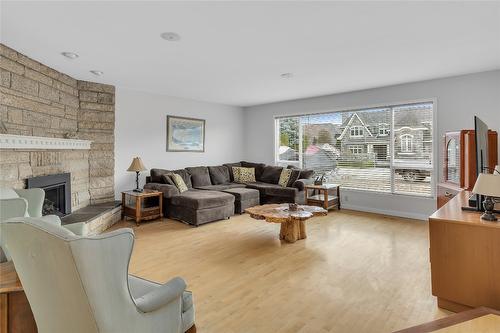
(57, 113)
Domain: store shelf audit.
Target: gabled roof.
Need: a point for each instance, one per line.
(349, 124)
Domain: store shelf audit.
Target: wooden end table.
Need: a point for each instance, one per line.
(324, 198)
(133, 205)
(292, 222)
(15, 311)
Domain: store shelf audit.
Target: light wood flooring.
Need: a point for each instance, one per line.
(356, 272)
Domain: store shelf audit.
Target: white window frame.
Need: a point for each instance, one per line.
(383, 129)
(391, 147)
(356, 149)
(358, 130)
(406, 143)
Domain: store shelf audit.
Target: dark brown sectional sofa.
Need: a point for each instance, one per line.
(213, 195)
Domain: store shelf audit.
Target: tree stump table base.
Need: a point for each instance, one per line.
(292, 223)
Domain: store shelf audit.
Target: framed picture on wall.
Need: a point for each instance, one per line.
(185, 134)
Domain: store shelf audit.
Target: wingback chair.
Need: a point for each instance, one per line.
(81, 284)
(28, 203)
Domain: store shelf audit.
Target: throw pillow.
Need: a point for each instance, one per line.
(244, 175)
(236, 174)
(167, 179)
(179, 182)
(293, 177)
(285, 177)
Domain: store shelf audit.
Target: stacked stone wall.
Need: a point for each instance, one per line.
(36, 100)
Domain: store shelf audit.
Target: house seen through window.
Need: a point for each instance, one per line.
(386, 149)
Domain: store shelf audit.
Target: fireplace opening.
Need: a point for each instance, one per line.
(57, 193)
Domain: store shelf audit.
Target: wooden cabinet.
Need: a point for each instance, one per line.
(446, 192)
(465, 257)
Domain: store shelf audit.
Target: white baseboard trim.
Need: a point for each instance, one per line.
(416, 216)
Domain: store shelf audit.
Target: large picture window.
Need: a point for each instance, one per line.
(387, 149)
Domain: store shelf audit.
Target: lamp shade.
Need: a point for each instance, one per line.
(136, 165)
(487, 184)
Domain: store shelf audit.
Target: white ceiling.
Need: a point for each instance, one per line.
(234, 52)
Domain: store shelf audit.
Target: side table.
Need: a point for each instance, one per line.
(15, 310)
(325, 198)
(135, 205)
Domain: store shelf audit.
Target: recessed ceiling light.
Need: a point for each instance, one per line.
(170, 36)
(97, 73)
(286, 75)
(70, 55)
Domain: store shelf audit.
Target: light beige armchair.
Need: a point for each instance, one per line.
(81, 284)
(28, 203)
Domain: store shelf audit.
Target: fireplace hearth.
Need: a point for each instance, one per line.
(57, 193)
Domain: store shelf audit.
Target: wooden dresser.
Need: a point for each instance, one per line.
(465, 257)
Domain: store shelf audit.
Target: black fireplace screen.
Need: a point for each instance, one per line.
(57, 193)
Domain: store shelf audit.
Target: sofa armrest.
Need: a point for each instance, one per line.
(167, 189)
(161, 296)
(300, 184)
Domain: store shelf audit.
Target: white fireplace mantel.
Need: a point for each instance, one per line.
(10, 141)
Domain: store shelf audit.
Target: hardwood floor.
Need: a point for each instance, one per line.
(356, 272)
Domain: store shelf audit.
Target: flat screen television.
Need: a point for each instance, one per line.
(482, 160)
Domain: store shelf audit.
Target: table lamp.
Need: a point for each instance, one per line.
(489, 186)
(137, 166)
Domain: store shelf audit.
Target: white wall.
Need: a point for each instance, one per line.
(140, 130)
(458, 100)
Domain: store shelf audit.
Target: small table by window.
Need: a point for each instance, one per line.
(147, 205)
(328, 196)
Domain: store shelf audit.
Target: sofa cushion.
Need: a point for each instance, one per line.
(199, 176)
(156, 175)
(199, 199)
(271, 174)
(259, 168)
(242, 194)
(273, 189)
(167, 189)
(179, 182)
(219, 174)
(304, 173)
(221, 187)
(288, 192)
(230, 169)
(167, 179)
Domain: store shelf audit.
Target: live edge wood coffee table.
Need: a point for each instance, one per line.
(292, 222)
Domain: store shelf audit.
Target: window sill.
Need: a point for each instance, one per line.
(408, 195)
